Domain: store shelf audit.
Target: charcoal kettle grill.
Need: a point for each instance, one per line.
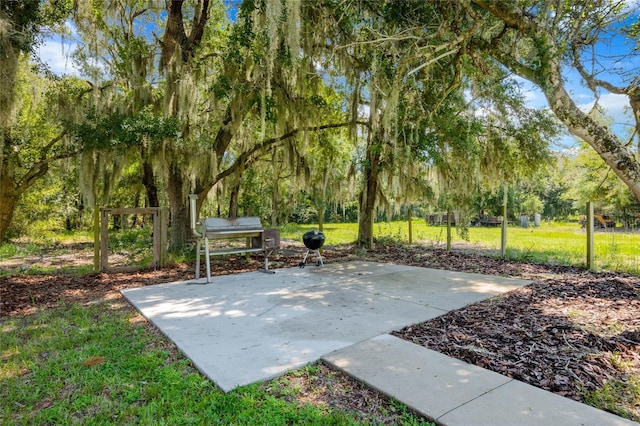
(313, 241)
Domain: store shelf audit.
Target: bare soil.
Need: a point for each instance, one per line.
(572, 332)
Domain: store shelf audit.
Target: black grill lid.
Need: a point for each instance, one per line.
(313, 240)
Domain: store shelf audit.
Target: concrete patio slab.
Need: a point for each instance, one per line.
(446, 290)
(455, 393)
(530, 406)
(250, 327)
(426, 381)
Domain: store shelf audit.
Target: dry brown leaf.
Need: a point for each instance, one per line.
(94, 360)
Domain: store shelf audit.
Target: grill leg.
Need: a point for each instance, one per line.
(304, 259)
(198, 259)
(309, 252)
(266, 263)
(207, 259)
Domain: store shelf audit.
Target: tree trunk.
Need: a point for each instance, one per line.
(8, 71)
(275, 194)
(179, 223)
(8, 202)
(149, 182)
(367, 198)
(9, 63)
(614, 153)
(320, 213)
(365, 223)
(233, 199)
(11, 189)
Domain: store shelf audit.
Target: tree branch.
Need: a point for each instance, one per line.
(40, 168)
(593, 82)
(515, 18)
(199, 23)
(244, 158)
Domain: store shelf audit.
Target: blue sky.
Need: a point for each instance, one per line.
(611, 62)
(617, 106)
(55, 53)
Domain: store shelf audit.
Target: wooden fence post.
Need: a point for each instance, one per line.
(157, 239)
(505, 223)
(590, 232)
(448, 229)
(164, 214)
(104, 239)
(96, 238)
(410, 225)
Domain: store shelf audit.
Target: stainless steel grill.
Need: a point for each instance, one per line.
(222, 225)
(249, 228)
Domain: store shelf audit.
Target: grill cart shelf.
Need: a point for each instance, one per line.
(249, 228)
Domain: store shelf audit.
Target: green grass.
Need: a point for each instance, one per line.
(134, 245)
(616, 394)
(98, 365)
(555, 243)
(9, 250)
(49, 241)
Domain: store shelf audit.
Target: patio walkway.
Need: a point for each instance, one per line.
(251, 327)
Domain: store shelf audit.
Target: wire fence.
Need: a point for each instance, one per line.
(616, 239)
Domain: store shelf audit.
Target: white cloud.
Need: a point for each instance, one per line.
(533, 96)
(616, 106)
(583, 97)
(56, 54)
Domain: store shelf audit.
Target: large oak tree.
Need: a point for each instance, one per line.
(540, 41)
(26, 148)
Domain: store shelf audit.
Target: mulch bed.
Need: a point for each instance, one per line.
(570, 332)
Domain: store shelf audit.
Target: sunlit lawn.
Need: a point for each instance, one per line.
(551, 242)
(558, 243)
(98, 365)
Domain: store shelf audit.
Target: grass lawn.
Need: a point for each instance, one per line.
(100, 364)
(555, 243)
